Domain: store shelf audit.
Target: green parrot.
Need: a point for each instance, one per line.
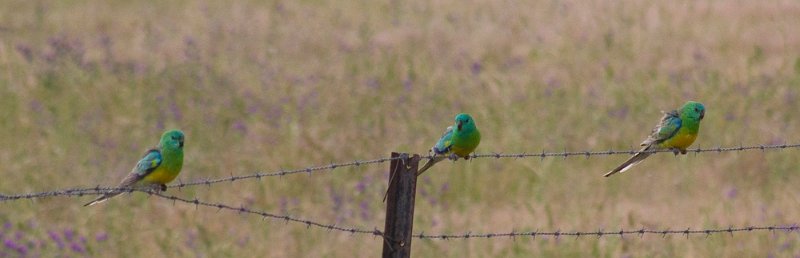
(677, 131)
(457, 141)
(158, 167)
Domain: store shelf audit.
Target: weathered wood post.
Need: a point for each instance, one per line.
(400, 205)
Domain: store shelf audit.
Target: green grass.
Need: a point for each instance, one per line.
(86, 87)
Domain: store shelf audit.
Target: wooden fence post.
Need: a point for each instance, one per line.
(400, 205)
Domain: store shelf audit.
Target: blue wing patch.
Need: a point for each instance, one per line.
(669, 125)
(151, 160)
(669, 128)
(445, 143)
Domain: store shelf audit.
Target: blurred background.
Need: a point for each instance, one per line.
(87, 86)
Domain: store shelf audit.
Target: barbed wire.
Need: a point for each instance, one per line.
(97, 190)
(77, 192)
(375, 232)
(307, 170)
(266, 215)
(587, 154)
(543, 154)
(316, 169)
(513, 235)
(497, 155)
(621, 233)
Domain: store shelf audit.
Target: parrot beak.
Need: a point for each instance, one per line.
(460, 124)
(702, 114)
(180, 144)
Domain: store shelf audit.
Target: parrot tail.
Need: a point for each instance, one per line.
(635, 159)
(430, 164)
(103, 198)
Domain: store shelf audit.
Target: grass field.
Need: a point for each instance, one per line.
(87, 86)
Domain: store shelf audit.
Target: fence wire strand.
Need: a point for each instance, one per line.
(307, 170)
(497, 155)
(267, 215)
(74, 192)
(513, 235)
(588, 154)
(330, 167)
(789, 228)
(621, 233)
(78, 192)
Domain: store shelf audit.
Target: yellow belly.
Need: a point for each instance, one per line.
(462, 151)
(160, 175)
(680, 141)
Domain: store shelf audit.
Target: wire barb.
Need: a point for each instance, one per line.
(267, 215)
(315, 169)
(621, 233)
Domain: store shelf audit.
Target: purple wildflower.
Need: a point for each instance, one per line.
(423, 192)
(790, 97)
(364, 205)
(432, 200)
(69, 234)
(361, 186)
(56, 238)
(100, 237)
(731, 193)
(243, 241)
(408, 83)
(10, 244)
(21, 249)
(26, 51)
(36, 107)
(476, 68)
(240, 127)
(337, 200)
(729, 116)
(176, 111)
(77, 247)
(283, 203)
(190, 239)
(373, 83)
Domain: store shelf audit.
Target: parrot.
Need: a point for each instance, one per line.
(159, 166)
(676, 131)
(459, 140)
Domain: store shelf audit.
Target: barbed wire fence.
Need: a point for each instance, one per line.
(97, 190)
(330, 167)
(356, 230)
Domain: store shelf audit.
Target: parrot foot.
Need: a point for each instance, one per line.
(163, 187)
(453, 157)
(675, 151)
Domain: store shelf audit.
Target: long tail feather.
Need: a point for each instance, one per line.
(429, 164)
(632, 161)
(102, 198)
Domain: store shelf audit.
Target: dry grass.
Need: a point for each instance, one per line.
(86, 87)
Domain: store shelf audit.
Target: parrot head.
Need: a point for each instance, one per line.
(464, 122)
(172, 138)
(694, 110)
